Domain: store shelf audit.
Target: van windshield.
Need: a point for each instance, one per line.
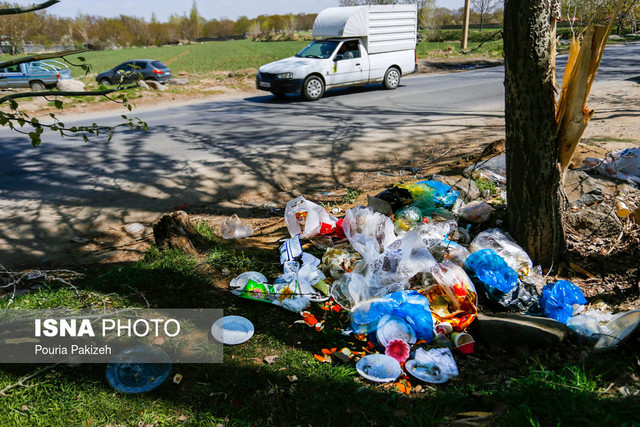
(321, 49)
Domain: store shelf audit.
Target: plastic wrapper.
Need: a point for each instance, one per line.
(453, 298)
(237, 285)
(558, 299)
(493, 169)
(504, 246)
(232, 228)
(476, 212)
(369, 232)
(308, 219)
(498, 283)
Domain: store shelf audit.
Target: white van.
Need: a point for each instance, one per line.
(362, 44)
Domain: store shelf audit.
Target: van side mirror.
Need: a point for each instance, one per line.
(337, 58)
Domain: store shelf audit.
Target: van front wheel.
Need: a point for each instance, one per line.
(313, 88)
(391, 78)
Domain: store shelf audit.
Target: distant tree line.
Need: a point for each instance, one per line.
(126, 31)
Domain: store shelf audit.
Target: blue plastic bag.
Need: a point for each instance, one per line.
(443, 194)
(411, 306)
(498, 283)
(492, 270)
(558, 299)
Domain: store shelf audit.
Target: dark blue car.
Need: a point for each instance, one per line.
(134, 70)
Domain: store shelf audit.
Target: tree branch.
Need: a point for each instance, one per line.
(59, 93)
(26, 9)
(41, 56)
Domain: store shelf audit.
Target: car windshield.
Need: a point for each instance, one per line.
(318, 49)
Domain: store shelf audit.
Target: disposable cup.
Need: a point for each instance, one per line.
(461, 338)
(622, 210)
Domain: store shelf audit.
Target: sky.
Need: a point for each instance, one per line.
(208, 9)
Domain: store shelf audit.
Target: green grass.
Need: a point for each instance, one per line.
(196, 58)
(540, 388)
(296, 390)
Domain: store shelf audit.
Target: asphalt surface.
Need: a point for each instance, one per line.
(215, 151)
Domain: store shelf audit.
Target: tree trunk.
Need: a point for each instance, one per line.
(176, 231)
(534, 211)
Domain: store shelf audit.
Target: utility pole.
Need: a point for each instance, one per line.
(465, 25)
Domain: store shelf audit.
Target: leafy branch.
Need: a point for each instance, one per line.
(17, 120)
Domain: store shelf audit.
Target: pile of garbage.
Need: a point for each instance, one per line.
(411, 276)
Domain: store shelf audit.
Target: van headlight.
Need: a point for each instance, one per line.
(284, 76)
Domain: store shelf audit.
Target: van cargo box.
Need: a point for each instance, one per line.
(384, 28)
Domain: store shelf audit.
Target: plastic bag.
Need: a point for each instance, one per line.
(308, 219)
(453, 298)
(237, 285)
(369, 232)
(433, 366)
(450, 251)
(354, 288)
(443, 194)
(403, 259)
(232, 228)
(337, 261)
(590, 324)
(504, 246)
(422, 196)
(624, 164)
(493, 169)
(406, 219)
(397, 197)
(498, 283)
(558, 299)
(409, 306)
(477, 212)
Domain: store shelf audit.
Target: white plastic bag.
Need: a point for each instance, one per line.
(307, 218)
(504, 246)
(232, 228)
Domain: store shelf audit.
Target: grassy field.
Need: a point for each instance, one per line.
(516, 388)
(201, 59)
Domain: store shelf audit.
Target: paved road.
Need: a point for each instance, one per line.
(212, 151)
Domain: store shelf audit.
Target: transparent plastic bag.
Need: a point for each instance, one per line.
(232, 228)
(443, 194)
(590, 324)
(308, 219)
(477, 212)
(403, 259)
(504, 246)
(493, 169)
(453, 298)
(369, 232)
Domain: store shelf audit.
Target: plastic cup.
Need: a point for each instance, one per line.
(461, 338)
(622, 210)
